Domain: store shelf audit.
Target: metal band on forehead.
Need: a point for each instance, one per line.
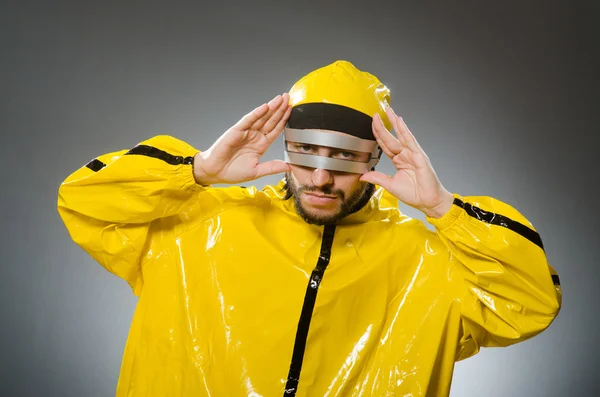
(327, 163)
(331, 140)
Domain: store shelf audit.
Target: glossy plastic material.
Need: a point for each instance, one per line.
(342, 84)
(222, 275)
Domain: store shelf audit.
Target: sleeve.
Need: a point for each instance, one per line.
(108, 205)
(507, 290)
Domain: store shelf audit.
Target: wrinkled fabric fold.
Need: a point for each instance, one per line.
(222, 274)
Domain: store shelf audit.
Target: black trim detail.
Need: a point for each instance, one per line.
(95, 165)
(500, 220)
(328, 116)
(151, 151)
(291, 387)
(555, 279)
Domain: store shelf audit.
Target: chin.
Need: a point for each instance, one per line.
(319, 216)
(321, 213)
(318, 210)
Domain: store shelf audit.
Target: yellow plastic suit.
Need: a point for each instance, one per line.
(238, 296)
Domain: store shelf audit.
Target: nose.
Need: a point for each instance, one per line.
(321, 177)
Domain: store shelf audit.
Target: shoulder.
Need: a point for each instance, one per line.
(216, 201)
(411, 233)
(240, 195)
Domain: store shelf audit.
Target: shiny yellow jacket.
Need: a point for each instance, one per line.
(238, 296)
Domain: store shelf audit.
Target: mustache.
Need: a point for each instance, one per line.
(324, 190)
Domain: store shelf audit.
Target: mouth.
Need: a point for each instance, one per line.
(319, 199)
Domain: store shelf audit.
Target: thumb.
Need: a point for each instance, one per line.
(377, 178)
(271, 167)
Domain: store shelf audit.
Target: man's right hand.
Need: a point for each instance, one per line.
(235, 156)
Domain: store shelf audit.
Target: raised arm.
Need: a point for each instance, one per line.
(506, 288)
(109, 205)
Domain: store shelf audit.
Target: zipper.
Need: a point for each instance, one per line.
(291, 387)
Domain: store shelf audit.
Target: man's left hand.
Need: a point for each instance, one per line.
(415, 182)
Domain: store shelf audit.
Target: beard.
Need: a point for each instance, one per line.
(354, 202)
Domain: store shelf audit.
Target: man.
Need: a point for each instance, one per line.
(318, 286)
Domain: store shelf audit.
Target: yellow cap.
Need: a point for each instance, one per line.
(357, 94)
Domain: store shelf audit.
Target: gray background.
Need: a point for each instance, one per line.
(501, 97)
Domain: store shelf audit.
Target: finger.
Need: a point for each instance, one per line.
(274, 134)
(386, 137)
(405, 160)
(273, 106)
(271, 167)
(377, 178)
(409, 159)
(402, 131)
(380, 142)
(249, 119)
(409, 135)
(276, 117)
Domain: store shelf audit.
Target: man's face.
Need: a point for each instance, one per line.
(323, 196)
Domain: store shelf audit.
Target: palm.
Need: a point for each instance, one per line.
(415, 182)
(235, 156)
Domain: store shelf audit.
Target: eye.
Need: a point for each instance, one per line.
(346, 155)
(305, 148)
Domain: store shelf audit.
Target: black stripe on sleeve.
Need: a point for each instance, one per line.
(150, 151)
(500, 220)
(95, 165)
(555, 279)
(291, 387)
